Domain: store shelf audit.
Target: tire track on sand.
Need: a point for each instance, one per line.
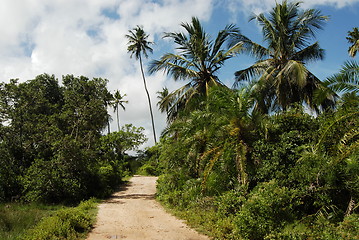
(134, 214)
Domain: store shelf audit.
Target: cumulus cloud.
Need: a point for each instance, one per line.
(88, 38)
(259, 6)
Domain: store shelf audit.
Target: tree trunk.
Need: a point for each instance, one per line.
(118, 120)
(149, 100)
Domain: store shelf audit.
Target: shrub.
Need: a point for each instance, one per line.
(148, 169)
(70, 223)
(268, 208)
(108, 178)
(229, 203)
(51, 181)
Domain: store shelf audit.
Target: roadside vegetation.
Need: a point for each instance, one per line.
(274, 157)
(53, 154)
(40, 222)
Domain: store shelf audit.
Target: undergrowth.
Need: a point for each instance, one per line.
(15, 218)
(67, 223)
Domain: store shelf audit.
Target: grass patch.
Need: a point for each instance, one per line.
(16, 218)
(36, 221)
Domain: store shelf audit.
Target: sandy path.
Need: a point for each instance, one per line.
(134, 214)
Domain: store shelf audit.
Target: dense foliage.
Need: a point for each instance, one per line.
(253, 162)
(51, 143)
(262, 176)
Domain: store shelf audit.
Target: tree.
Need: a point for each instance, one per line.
(353, 38)
(138, 45)
(198, 60)
(163, 103)
(118, 102)
(283, 78)
(347, 79)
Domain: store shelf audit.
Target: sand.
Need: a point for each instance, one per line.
(133, 214)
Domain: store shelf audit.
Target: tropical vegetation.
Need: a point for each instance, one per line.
(280, 76)
(274, 157)
(253, 162)
(197, 60)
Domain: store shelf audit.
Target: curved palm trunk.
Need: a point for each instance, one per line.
(149, 100)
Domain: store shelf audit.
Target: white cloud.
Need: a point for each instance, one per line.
(77, 37)
(259, 6)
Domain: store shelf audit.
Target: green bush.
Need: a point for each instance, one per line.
(320, 228)
(108, 178)
(229, 203)
(269, 208)
(349, 228)
(148, 169)
(52, 181)
(69, 223)
(177, 189)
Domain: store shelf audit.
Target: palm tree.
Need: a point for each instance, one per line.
(280, 74)
(198, 60)
(138, 45)
(162, 103)
(347, 80)
(118, 102)
(353, 38)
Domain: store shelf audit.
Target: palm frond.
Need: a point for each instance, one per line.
(251, 72)
(295, 73)
(310, 53)
(347, 80)
(174, 65)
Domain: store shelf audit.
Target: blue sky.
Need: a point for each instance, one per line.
(87, 37)
(332, 38)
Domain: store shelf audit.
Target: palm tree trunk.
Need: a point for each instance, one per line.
(118, 120)
(149, 100)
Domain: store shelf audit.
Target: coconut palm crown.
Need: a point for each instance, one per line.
(280, 73)
(353, 38)
(197, 60)
(117, 102)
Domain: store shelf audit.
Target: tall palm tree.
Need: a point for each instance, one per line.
(198, 59)
(280, 73)
(138, 45)
(353, 38)
(118, 102)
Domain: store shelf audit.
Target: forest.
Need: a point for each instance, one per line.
(275, 156)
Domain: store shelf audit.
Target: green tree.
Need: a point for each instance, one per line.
(138, 45)
(283, 78)
(127, 138)
(353, 38)
(85, 109)
(49, 136)
(117, 103)
(162, 103)
(198, 60)
(347, 80)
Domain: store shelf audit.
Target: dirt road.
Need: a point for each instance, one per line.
(134, 214)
